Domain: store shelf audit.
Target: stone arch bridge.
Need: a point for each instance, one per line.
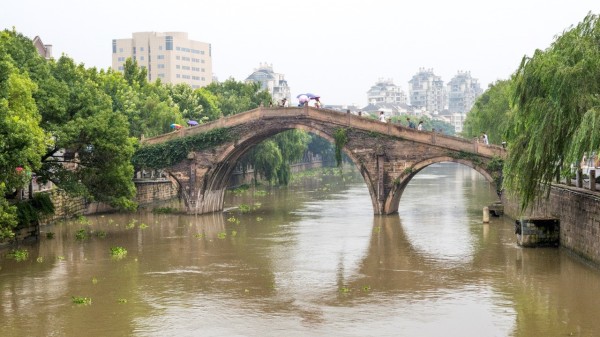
(387, 155)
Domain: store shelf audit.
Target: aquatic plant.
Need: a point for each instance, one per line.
(83, 220)
(50, 235)
(122, 300)
(19, 254)
(199, 235)
(131, 224)
(81, 234)
(163, 210)
(260, 193)
(258, 219)
(101, 234)
(118, 252)
(143, 226)
(40, 259)
(222, 235)
(233, 233)
(81, 300)
(244, 208)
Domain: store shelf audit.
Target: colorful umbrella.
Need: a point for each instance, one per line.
(192, 123)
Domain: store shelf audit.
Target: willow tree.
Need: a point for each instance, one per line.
(490, 113)
(557, 116)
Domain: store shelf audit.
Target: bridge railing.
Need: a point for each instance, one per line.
(339, 118)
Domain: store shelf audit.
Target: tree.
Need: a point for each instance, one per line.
(22, 140)
(490, 113)
(557, 116)
(234, 97)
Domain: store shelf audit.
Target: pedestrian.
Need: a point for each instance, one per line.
(382, 117)
(420, 126)
(359, 113)
(348, 111)
(283, 103)
(317, 102)
(485, 139)
(410, 123)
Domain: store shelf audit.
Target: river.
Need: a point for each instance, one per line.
(308, 260)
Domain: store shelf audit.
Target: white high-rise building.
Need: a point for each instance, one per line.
(463, 91)
(426, 90)
(385, 91)
(170, 57)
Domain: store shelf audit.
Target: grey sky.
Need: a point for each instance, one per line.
(336, 48)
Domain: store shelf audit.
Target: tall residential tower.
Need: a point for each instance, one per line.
(170, 57)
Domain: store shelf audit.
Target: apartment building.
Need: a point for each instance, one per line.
(271, 81)
(463, 91)
(169, 56)
(426, 91)
(385, 91)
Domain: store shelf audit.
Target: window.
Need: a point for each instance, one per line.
(160, 57)
(178, 76)
(133, 50)
(178, 57)
(159, 47)
(169, 42)
(141, 48)
(141, 58)
(161, 75)
(178, 67)
(120, 50)
(114, 45)
(161, 66)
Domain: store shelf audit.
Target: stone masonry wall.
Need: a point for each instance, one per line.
(579, 213)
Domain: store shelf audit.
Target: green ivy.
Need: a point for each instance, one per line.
(158, 156)
(341, 139)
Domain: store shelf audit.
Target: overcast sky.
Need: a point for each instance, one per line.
(336, 48)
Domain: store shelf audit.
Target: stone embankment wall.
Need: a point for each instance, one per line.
(577, 209)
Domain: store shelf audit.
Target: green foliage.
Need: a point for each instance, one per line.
(158, 156)
(341, 139)
(118, 253)
(557, 110)
(490, 113)
(19, 254)
(234, 97)
(30, 211)
(81, 234)
(81, 300)
(163, 210)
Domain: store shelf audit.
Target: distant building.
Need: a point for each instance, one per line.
(170, 57)
(463, 91)
(426, 90)
(385, 91)
(273, 82)
(45, 50)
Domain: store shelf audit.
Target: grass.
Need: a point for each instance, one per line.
(81, 234)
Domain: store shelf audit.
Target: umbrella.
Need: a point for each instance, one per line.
(192, 123)
(175, 126)
(303, 98)
(312, 96)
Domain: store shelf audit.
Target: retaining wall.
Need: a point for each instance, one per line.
(577, 209)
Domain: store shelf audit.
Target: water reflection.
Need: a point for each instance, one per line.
(307, 261)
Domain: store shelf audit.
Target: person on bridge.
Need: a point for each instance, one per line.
(410, 123)
(382, 117)
(284, 103)
(420, 126)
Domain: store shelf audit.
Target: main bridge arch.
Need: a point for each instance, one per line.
(387, 155)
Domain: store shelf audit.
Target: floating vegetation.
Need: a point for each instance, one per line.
(101, 234)
(199, 235)
(257, 205)
(83, 220)
(19, 254)
(40, 259)
(50, 235)
(222, 235)
(259, 219)
(344, 290)
(232, 219)
(366, 288)
(81, 234)
(110, 221)
(163, 210)
(131, 224)
(81, 300)
(377, 229)
(94, 280)
(260, 193)
(238, 191)
(244, 208)
(143, 226)
(233, 233)
(60, 257)
(118, 253)
(122, 300)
